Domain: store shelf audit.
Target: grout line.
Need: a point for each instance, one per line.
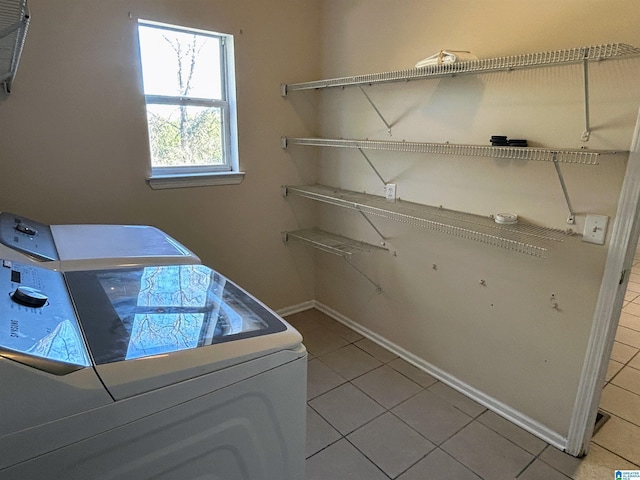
(537, 457)
(422, 389)
(623, 388)
(617, 454)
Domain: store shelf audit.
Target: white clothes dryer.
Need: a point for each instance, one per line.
(86, 247)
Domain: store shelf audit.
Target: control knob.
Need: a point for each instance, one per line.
(26, 229)
(29, 297)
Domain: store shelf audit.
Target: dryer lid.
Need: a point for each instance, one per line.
(86, 247)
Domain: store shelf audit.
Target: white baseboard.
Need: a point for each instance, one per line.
(301, 307)
(514, 416)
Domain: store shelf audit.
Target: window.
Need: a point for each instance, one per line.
(189, 89)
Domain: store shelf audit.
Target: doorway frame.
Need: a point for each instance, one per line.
(622, 248)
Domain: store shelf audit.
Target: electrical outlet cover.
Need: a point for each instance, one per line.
(390, 191)
(595, 229)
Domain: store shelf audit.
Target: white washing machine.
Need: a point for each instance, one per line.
(152, 372)
(86, 247)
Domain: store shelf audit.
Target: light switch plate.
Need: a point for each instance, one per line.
(595, 229)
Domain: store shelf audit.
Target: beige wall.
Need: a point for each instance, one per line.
(502, 339)
(73, 149)
(73, 145)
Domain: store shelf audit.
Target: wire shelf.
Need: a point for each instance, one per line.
(331, 243)
(522, 237)
(516, 62)
(14, 22)
(577, 156)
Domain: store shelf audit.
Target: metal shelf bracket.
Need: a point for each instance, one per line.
(585, 66)
(376, 109)
(378, 287)
(372, 167)
(372, 225)
(335, 245)
(571, 219)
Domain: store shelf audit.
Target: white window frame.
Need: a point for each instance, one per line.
(203, 175)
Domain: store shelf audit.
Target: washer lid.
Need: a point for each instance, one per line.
(171, 322)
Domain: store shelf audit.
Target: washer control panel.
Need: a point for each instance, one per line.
(37, 318)
(27, 236)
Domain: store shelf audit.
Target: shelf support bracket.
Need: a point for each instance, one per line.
(376, 109)
(378, 287)
(585, 69)
(571, 219)
(371, 223)
(372, 167)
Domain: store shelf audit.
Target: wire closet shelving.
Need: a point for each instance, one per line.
(522, 237)
(14, 22)
(576, 156)
(487, 65)
(331, 243)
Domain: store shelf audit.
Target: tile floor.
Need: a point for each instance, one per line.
(372, 415)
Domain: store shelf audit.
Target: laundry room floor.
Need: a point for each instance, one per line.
(373, 416)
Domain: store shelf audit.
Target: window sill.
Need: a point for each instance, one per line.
(160, 182)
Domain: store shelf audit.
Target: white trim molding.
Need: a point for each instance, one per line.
(160, 182)
(514, 416)
(622, 247)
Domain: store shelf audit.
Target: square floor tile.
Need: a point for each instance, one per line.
(635, 362)
(432, 416)
(438, 465)
(304, 321)
(511, 431)
(539, 470)
(629, 379)
(319, 433)
(350, 362)
(621, 437)
(346, 408)
(390, 444)
(599, 464)
(320, 378)
(628, 337)
(322, 340)
(622, 353)
(342, 461)
(633, 286)
(486, 453)
(457, 399)
(632, 308)
(345, 332)
(387, 386)
(376, 350)
(621, 403)
(421, 377)
(612, 369)
(630, 321)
